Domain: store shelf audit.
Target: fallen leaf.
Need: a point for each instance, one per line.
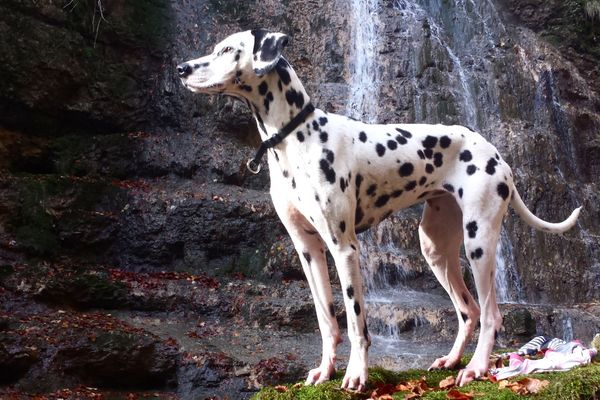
(281, 388)
(534, 385)
(457, 395)
(448, 382)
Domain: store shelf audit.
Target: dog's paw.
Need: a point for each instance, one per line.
(470, 373)
(355, 380)
(446, 362)
(320, 375)
(356, 372)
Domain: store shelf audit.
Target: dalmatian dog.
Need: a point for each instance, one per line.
(333, 177)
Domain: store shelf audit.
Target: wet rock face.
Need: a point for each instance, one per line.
(106, 159)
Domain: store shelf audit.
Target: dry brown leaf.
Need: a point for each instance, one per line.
(458, 395)
(534, 385)
(448, 382)
(281, 388)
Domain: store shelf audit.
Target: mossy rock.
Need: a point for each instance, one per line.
(89, 289)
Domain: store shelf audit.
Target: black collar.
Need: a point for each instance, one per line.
(253, 164)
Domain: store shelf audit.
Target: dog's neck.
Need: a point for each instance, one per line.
(275, 99)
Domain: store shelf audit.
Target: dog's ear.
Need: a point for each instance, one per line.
(267, 50)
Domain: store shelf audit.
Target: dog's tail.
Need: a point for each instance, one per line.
(538, 223)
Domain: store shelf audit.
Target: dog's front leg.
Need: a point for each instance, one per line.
(345, 253)
(311, 251)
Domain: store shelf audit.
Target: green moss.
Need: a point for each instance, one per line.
(580, 383)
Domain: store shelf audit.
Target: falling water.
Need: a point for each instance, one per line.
(364, 78)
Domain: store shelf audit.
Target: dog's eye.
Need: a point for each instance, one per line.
(225, 50)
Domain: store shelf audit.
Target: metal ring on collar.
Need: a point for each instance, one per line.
(253, 166)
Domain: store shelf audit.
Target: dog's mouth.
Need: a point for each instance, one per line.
(198, 87)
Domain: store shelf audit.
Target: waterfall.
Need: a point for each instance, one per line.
(364, 78)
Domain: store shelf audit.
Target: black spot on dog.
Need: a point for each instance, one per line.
(465, 156)
(471, 169)
(358, 181)
(380, 149)
(343, 226)
(323, 136)
(317, 198)
(397, 193)
(430, 142)
(267, 101)
(497, 156)
(460, 193)
(445, 142)
(422, 181)
(421, 154)
(334, 239)
(437, 159)
(362, 136)
(358, 215)
(294, 98)
(263, 88)
(392, 145)
(280, 85)
(322, 121)
(406, 169)
(382, 200)
(448, 187)
(285, 173)
(307, 256)
(410, 185)
(491, 166)
(332, 310)
(477, 254)
(356, 308)
(472, 229)
(372, 189)
(316, 126)
(282, 71)
(428, 153)
(401, 139)
(327, 171)
(343, 184)
(429, 168)
(350, 292)
(329, 155)
(247, 88)
(404, 133)
(300, 136)
(293, 183)
(503, 190)
(353, 247)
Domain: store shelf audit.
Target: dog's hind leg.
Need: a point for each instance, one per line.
(311, 251)
(441, 235)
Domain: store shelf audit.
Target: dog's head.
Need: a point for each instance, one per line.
(244, 55)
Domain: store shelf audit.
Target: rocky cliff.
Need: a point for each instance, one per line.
(109, 167)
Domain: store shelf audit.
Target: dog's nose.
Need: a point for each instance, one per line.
(184, 70)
